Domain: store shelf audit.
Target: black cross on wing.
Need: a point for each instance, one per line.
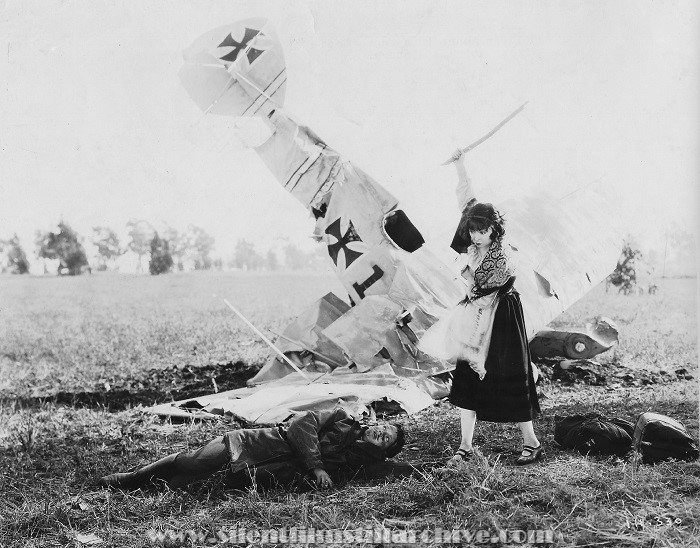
(342, 242)
(252, 53)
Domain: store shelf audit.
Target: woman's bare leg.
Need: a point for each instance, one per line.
(468, 423)
(528, 432)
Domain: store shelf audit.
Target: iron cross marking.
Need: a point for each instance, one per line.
(232, 55)
(342, 242)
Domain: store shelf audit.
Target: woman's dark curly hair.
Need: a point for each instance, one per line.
(479, 217)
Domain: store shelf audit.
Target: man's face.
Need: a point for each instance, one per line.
(382, 436)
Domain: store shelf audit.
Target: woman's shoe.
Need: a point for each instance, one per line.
(530, 454)
(460, 457)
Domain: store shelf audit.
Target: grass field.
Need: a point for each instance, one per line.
(76, 334)
(73, 333)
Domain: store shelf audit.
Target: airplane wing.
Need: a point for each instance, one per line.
(561, 258)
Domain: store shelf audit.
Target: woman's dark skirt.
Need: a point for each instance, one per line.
(507, 393)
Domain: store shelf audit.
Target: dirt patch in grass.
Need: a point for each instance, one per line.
(614, 375)
(154, 386)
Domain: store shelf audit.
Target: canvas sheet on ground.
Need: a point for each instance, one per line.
(277, 400)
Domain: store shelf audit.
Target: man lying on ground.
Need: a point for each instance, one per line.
(311, 449)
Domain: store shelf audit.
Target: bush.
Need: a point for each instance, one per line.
(624, 277)
(161, 261)
(66, 246)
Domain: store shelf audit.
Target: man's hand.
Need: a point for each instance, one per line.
(323, 480)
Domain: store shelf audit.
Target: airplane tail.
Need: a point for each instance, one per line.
(236, 70)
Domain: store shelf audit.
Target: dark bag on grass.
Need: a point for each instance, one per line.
(593, 434)
(658, 437)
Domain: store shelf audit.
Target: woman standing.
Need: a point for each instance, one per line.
(493, 381)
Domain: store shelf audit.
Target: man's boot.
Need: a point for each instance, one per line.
(162, 469)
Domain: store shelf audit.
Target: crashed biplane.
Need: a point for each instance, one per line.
(364, 352)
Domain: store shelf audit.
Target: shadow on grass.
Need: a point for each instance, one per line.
(155, 386)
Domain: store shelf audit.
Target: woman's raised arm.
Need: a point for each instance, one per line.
(464, 190)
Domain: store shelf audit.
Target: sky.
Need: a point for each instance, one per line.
(95, 128)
